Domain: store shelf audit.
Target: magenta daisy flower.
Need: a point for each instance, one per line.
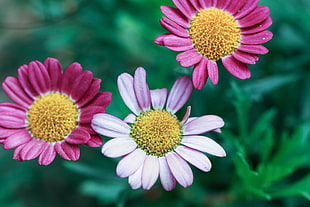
(152, 140)
(52, 111)
(211, 30)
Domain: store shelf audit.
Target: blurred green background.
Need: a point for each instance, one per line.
(267, 117)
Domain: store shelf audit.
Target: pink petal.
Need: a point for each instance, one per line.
(78, 136)
(258, 27)
(81, 85)
(17, 139)
(14, 90)
(90, 93)
(166, 178)
(254, 49)
(213, 72)
(16, 154)
(202, 125)
(87, 113)
(9, 121)
(150, 172)
(222, 4)
(55, 72)
(173, 27)
(176, 43)
(196, 4)
(26, 84)
(135, 180)
(101, 99)
(258, 38)
(47, 155)
(194, 157)
(159, 97)
(130, 118)
(160, 39)
(95, 141)
(110, 126)
(141, 89)
(189, 58)
(68, 151)
(185, 7)
(206, 4)
(175, 15)
(259, 14)
(236, 68)
(248, 7)
(235, 6)
(179, 94)
(12, 109)
(39, 77)
(32, 149)
(4, 132)
(69, 76)
(130, 163)
(180, 169)
(126, 89)
(204, 144)
(118, 147)
(245, 57)
(200, 74)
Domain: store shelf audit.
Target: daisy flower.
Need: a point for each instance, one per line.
(152, 140)
(206, 31)
(52, 111)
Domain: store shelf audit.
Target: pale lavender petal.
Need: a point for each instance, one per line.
(259, 14)
(202, 125)
(257, 38)
(166, 178)
(159, 97)
(194, 157)
(180, 169)
(118, 147)
(130, 163)
(135, 180)
(173, 27)
(189, 58)
(17, 139)
(141, 89)
(245, 57)
(204, 144)
(176, 43)
(254, 49)
(130, 118)
(126, 89)
(200, 74)
(47, 155)
(110, 126)
(150, 172)
(175, 15)
(236, 68)
(179, 94)
(186, 115)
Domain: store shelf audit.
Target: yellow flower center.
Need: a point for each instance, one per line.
(157, 132)
(52, 117)
(214, 33)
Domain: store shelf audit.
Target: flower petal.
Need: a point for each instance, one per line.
(189, 58)
(95, 141)
(259, 14)
(87, 113)
(206, 4)
(185, 7)
(175, 15)
(39, 77)
(23, 78)
(150, 172)
(130, 163)
(166, 178)
(204, 144)
(179, 94)
(159, 97)
(173, 27)
(91, 92)
(202, 125)
(245, 57)
(135, 180)
(110, 126)
(17, 139)
(257, 38)
(235, 6)
(78, 136)
(141, 89)
(130, 118)
(186, 115)
(126, 89)
(68, 151)
(101, 99)
(194, 157)
(258, 27)
(55, 72)
(248, 7)
(47, 155)
(176, 43)
(32, 149)
(236, 68)
(180, 169)
(213, 72)
(118, 147)
(222, 4)
(200, 74)
(254, 49)
(69, 76)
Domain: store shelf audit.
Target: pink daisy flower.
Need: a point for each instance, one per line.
(211, 30)
(152, 140)
(52, 111)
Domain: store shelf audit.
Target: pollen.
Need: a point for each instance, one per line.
(214, 33)
(52, 117)
(157, 132)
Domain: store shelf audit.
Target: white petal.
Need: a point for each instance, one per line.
(130, 163)
(135, 180)
(141, 89)
(150, 172)
(194, 157)
(167, 180)
(130, 118)
(202, 125)
(204, 144)
(159, 97)
(118, 147)
(110, 126)
(186, 115)
(180, 169)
